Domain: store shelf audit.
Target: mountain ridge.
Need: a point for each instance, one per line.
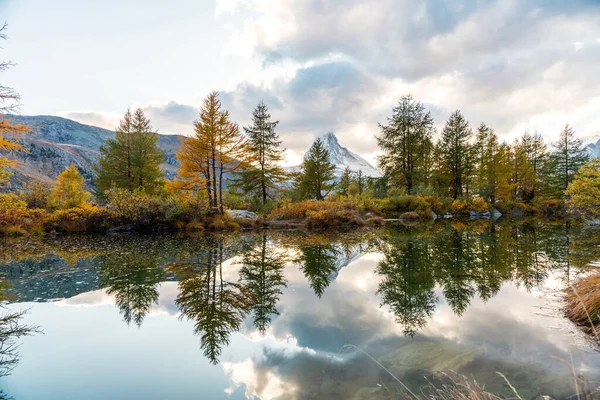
(56, 142)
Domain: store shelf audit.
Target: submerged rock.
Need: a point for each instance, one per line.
(242, 214)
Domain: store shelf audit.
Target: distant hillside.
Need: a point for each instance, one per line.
(57, 142)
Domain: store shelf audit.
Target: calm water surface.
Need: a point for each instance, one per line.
(265, 315)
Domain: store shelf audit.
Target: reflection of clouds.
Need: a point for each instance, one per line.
(168, 292)
(265, 385)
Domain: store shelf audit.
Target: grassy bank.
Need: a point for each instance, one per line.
(23, 214)
(583, 303)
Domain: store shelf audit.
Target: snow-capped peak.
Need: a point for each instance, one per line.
(341, 157)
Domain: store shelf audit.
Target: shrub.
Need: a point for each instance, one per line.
(324, 213)
(480, 205)
(36, 194)
(15, 217)
(460, 207)
(550, 208)
(435, 204)
(85, 218)
(194, 226)
(394, 207)
(140, 209)
(222, 222)
(410, 215)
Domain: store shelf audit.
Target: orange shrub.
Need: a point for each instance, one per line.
(435, 204)
(460, 207)
(480, 205)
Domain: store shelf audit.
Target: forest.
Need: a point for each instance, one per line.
(224, 167)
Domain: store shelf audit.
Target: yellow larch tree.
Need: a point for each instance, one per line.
(216, 149)
(69, 189)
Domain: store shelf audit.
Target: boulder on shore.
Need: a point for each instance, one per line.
(242, 214)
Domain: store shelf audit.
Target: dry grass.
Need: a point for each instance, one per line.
(583, 302)
(323, 214)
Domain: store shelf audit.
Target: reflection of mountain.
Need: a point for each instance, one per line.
(50, 277)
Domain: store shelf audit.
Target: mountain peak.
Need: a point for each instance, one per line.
(341, 157)
(329, 137)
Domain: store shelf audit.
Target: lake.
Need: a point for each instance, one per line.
(268, 315)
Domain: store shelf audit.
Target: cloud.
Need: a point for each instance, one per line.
(514, 64)
(103, 120)
(341, 66)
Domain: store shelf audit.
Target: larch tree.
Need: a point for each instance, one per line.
(406, 143)
(69, 189)
(316, 179)
(568, 156)
(131, 160)
(583, 193)
(216, 148)
(456, 153)
(263, 176)
(9, 131)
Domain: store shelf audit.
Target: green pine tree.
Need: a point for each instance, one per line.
(345, 181)
(456, 153)
(569, 155)
(265, 176)
(406, 143)
(316, 179)
(131, 160)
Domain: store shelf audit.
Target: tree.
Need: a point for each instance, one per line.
(490, 171)
(316, 178)
(69, 189)
(345, 182)
(568, 156)
(9, 132)
(147, 156)
(536, 152)
(216, 148)
(406, 143)
(131, 160)
(456, 153)
(264, 175)
(262, 275)
(583, 193)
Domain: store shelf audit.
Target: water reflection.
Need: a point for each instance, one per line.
(262, 275)
(132, 277)
(297, 286)
(216, 306)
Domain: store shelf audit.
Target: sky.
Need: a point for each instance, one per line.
(320, 65)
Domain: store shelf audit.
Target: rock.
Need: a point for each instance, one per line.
(242, 214)
(479, 215)
(495, 213)
(120, 228)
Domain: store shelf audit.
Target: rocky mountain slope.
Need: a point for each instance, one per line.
(341, 157)
(56, 142)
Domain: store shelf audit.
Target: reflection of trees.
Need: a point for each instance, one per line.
(463, 263)
(11, 329)
(262, 274)
(132, 276)
(408, 284)
(216, 306)
(318, 262)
